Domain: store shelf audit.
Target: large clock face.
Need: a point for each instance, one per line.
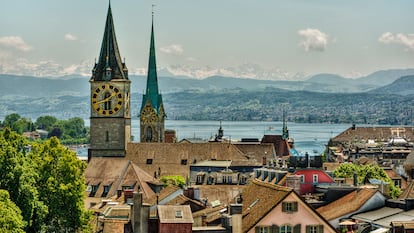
(107, 99)
(148, 115)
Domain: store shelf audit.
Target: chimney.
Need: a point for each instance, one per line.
(140, 214)
(355, 179)
(293, 181)
(236, 217)
(409, 204)
(204, 220)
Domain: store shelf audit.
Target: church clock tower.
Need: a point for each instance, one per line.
(152, 113)
(110, 120)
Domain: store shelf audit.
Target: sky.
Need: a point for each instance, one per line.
(291, 37)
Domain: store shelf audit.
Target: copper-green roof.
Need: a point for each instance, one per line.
(152, 94)
(109, 58)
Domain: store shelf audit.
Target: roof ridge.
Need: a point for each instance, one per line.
(271, 185)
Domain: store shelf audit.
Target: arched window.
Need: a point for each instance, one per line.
(107, 104)
(149, 134)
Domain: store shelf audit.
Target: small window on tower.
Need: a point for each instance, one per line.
(183, 162)
(149, 161)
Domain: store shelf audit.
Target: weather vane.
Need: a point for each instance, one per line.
(153, 5)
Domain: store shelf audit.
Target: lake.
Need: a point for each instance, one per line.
(309, 138)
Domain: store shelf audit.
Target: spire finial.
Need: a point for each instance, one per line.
(152, 10)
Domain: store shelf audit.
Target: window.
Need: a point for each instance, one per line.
(314, 229)
(243, 179)
(397, 183)
(94, 190)
(262, 229)
(107, 136)
(315, 178)
(183, 162)
(178, 214)
(106, 190)
(149, 134)
(149, 161)
(302, 179)
(200, 179)
(285, 229)
(289, 207)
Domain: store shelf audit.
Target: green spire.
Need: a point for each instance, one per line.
(285, 131)
(109, 58)
(152, 93)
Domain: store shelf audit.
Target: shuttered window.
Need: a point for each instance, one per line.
(285, 229)
(314, 229)
(289, 207)
(296, 228)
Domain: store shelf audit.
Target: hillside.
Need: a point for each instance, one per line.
(401, 86)
(322, 98)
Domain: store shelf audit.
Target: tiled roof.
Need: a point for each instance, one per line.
(174, 214)
(164, 193)
(259, 198)
(117, 172)
(176, 158)
(347, 204)
(378, 133)
(408, 192)
(281, 146)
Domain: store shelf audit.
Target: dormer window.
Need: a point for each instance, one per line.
(106, 190)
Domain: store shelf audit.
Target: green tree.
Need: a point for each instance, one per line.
(10, 119)
(19, 176)
(11, 219)
(366, 172)
(45, 122)
(62, 185)
(47, 183)
(174, 180)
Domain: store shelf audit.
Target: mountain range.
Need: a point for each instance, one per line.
(12, 85)
(322, 97)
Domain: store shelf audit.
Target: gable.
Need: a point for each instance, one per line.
(303, 216)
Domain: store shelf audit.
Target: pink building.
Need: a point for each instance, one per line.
(271, 208)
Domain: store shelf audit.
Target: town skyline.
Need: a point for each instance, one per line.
(289, 38)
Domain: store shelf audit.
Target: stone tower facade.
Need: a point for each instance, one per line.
(110, 119)
(152, 114)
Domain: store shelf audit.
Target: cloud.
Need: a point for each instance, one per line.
(314, 40)
(175, 49)
(15, 42)
(406, 40)
(69, 36)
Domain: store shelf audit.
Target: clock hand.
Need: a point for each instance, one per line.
(106, 99)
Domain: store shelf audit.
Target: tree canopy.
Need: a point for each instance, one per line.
(45, 180)
(71, 131)
(11, 219)
(366, 172)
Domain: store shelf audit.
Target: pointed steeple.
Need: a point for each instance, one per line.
(110, 65)
(285, 131)
(152, 94)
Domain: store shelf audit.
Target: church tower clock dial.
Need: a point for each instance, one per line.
(107, 99)
(110, 118)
